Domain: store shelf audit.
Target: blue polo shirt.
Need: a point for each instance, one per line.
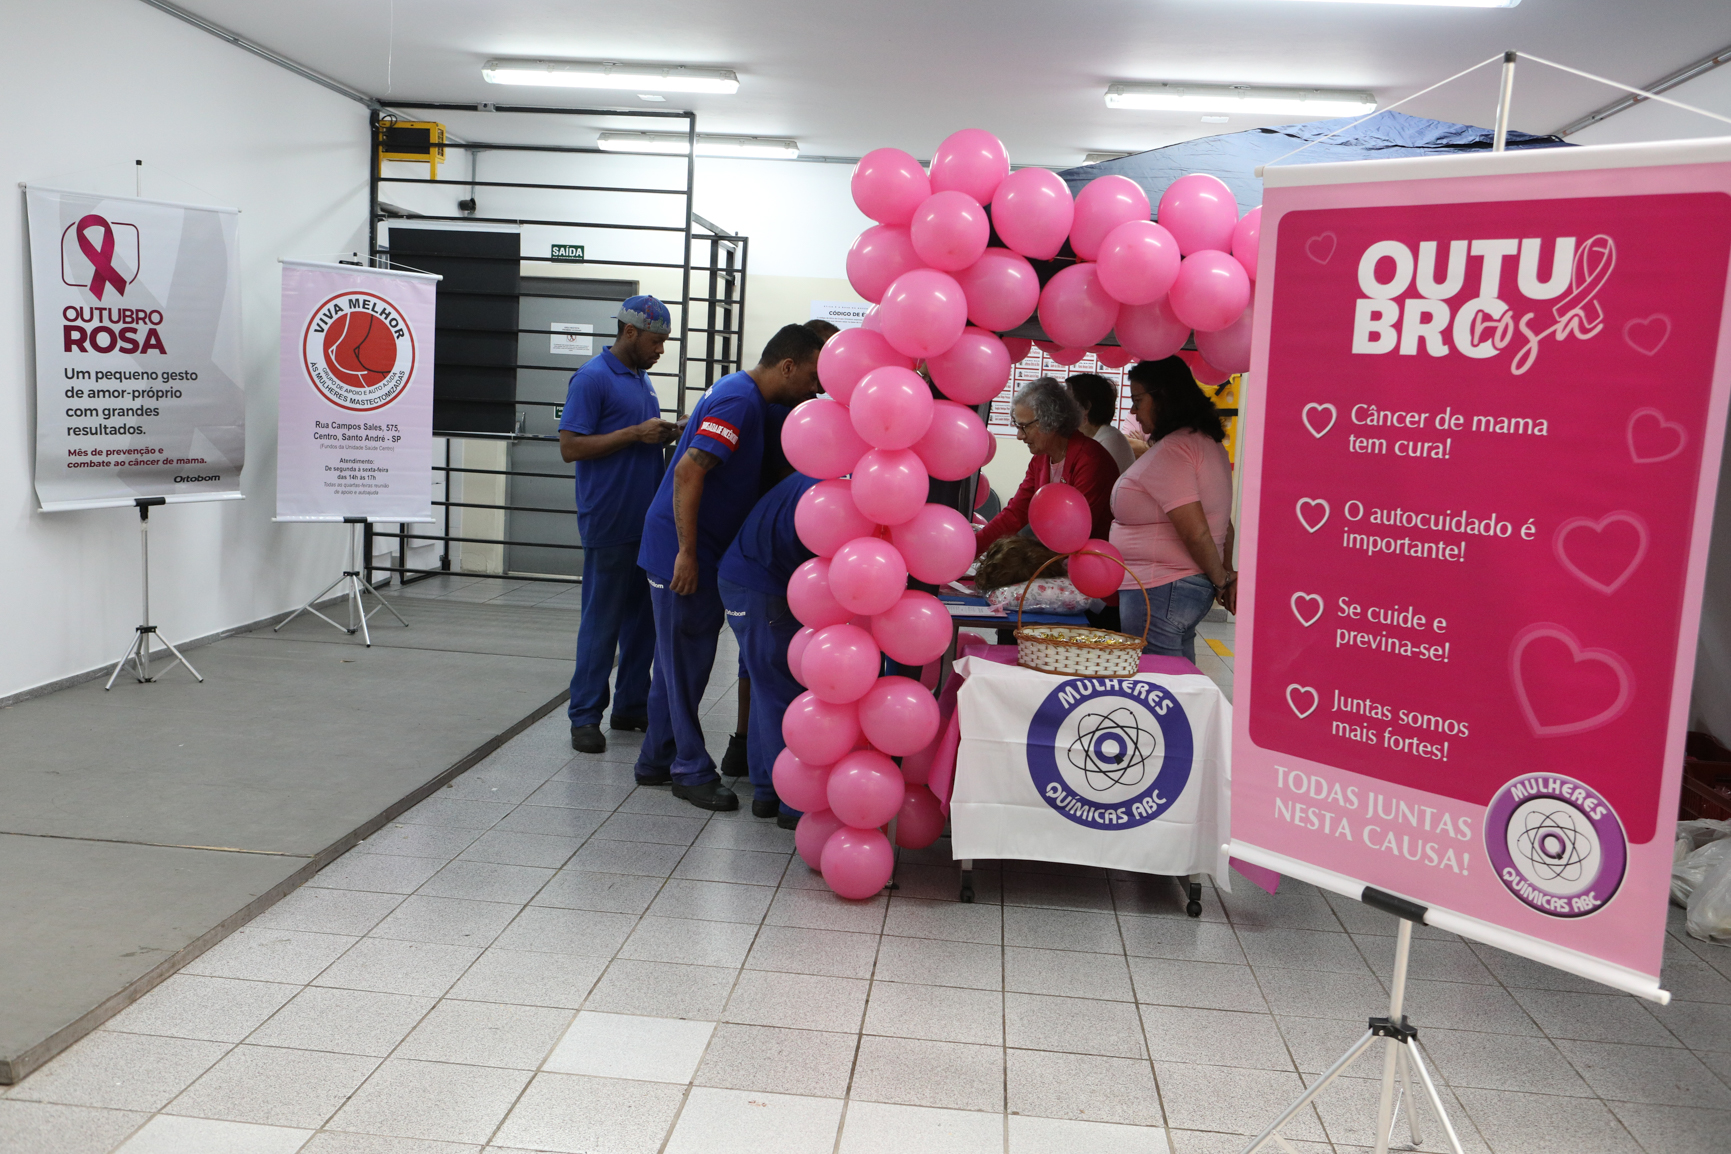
(768, 549)
(728, 422)
(613, 492)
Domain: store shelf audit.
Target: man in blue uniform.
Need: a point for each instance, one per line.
(702, 501)
(753, 580)
(612, 429)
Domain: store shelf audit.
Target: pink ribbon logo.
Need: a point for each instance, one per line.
(1578, 314)
(100, 256)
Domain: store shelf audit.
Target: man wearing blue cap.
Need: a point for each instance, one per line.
(702, 501)
(612, 429)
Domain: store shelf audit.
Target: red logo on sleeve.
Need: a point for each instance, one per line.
(720, 430)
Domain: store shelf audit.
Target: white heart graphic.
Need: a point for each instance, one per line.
(1545, 630)
(1647, 335)
(1311, 598)
(1311, 425)
(1320, 248)
(1560, 544)
(1300, 691)
(1305, 521)
(1638, 419)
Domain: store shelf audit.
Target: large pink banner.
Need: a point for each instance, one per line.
(1477, 493)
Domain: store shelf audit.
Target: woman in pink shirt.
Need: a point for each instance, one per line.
(1172, 510)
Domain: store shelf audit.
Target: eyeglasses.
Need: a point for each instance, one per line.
(1023, 426)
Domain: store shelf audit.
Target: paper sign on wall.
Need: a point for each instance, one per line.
(841, 314)
(572, 339)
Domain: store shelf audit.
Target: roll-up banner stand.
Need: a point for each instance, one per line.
(138, 379)
(355, 416)
(1478, 490)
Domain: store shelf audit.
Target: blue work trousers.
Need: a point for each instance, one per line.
(686, 631)
(764, 625)
(617, 618)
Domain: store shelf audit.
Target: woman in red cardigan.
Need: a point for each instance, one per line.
(1049, 422)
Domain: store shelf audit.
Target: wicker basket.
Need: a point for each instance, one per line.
(1079, 649)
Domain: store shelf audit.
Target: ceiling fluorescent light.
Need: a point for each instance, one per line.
(632, 77)
(675, 144)
(1240, 98)
(1436, 3)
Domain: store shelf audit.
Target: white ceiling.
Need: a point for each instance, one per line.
(844, 78)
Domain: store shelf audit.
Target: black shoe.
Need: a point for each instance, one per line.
(588, 739)
(709, 795)
(733, 761)
(659, 777)
(787, 820)
(762, 808)
(638, 724)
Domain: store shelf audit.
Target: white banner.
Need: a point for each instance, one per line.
(138, 388)
(1123, 773)
(355, 416)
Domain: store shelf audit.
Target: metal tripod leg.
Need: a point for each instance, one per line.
(1304, 1099)
(356, 582)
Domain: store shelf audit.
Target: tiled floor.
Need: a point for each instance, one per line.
(547, 958)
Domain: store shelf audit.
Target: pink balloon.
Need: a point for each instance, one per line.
(973, 370)
(949, 230)
(1097, 576)
(1200, 212)
(982, 494)
(920, 821)
(1207, 374)
(867, 576)
(1103, 204)
(1001, 288)
(1114, 356)
(1060, 517)
(865, 789)
(916, 630)
(1075, 309)
(1033, 211)
(879, 255)
(890, 485)
(818, 732)
(809, 596)
(1151, 332)
(819, 440)
(898, 716)
(841, 663)
(1018, 348)
(826, 517)
(1228, 349)
(1067, 357)
(937, 542)
(857, 863)
(991, 447)
(1138, 262)
(1246, 237)
(971, 161)
(954, 444)
(917, 767)
(924, 312)
(850, 355)
(813, 833)
(891, 408)
(803, 787)
(1211, 291)
(873, 320)
(888, 185)
(796, 651)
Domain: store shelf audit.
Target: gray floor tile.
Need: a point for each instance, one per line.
(654, 800)
(457, 814)
(739, 830)
(581, 794)
(1517, 1123)
(934, 962)
(1067, 972)
(822, 910)
(327, 911)
(1349, 1108)
(662, 990)
(506, 785)
(529, 979)
(1317, 1043)
(943, 883)
(486, 882)
(620, 857)
(47, 1128)
(712, 901)
(1213, 1142)
(654, 828)
(506, 847)
(747, 867)
(606, 893)
(689, 942)
(1658, 1076)
(955, 921)
(1149, 895)
(336, 1142)
(1296, 906)
(914, 1072)
(1236, 1101)
(779, 1060)
(1675, 1130)
(583, 1115)
(1057, 892)
(421, 969)
(1062, 930)
(1593, 1017)
(343, 1021)
(1214, 1037)
(1499, 1061)
(557, 931)
(553, 820)
(1206, 985)
(1286, 947)
(418, 841)
(1448, 961)
(486, 1034)
(274, 1087)
(1073, 1026)
(833, 953)
(1514, 971)
(938, 1013)
(446, 921)
(1307, 994)
(270, 955)
(1182, 940)
(1464, 1006)
(1081, 1086)
(214, 1009)
(120, 1071)
(797, 1001)
(377, 872)
(1691, 977)
(1700, 1025)
(431, 1100)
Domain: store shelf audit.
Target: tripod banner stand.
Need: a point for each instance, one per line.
(1489, 395)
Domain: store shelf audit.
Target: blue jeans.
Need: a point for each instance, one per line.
(687, 629)
(1174, 611)
(764, 625)
(616, 618)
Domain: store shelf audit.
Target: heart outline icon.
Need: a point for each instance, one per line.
(1559, 545)
(1315, 700)
(1546, 629)
(1333, 415)
(1311, 246)
(1302, 502)
(1314, 617)
(1629, 434)
(1637, 333)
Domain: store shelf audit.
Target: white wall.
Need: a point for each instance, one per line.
(88, 87)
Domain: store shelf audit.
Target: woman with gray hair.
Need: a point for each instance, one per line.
(1049, 422)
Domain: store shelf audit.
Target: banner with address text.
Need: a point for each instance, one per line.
(1478, 489)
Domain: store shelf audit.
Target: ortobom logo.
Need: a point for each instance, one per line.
(1110, 753)
(1556, 844)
